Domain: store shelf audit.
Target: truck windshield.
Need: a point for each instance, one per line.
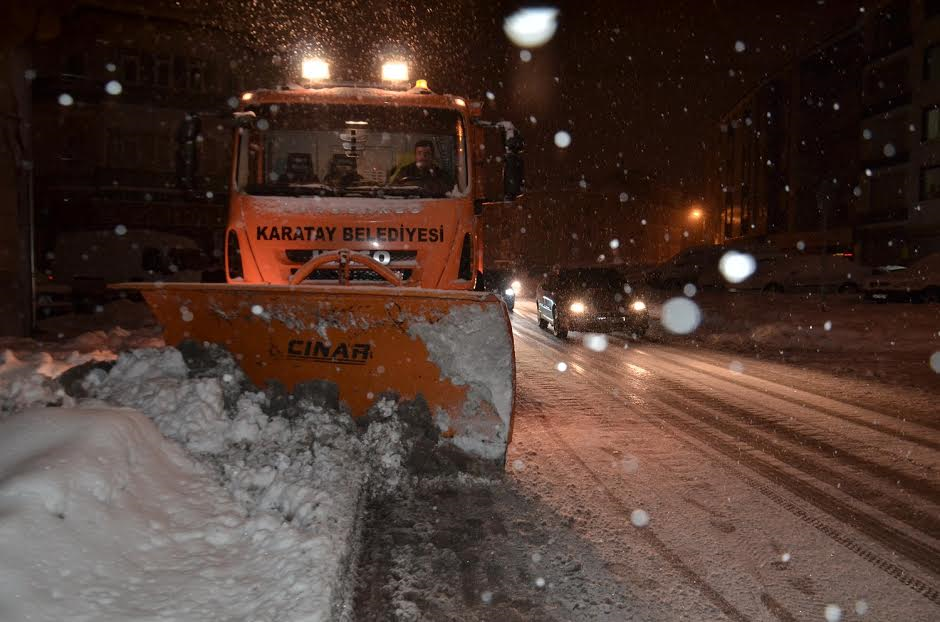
(352, 151)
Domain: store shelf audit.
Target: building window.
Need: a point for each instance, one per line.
(931, 8)
(161, 71)
(931, 123)
(932, 63)
(130, 67)
(893, 27)
(930, 183)
(75, 64)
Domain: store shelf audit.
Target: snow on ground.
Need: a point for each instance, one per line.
(840, 332)
(161, 485)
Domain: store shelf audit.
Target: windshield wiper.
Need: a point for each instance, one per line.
(291, 190)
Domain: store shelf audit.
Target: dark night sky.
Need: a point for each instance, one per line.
(648, 79)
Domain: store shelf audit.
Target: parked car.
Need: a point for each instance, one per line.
(589, 300)
(919, 282)
(500, 282)
(688, 266)
(787, 272)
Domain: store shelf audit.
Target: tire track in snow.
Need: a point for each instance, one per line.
(870, 526)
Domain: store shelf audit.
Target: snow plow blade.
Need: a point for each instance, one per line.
(452, 348)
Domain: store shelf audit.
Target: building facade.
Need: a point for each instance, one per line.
(840, 151)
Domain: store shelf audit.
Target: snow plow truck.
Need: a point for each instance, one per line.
(354, 253)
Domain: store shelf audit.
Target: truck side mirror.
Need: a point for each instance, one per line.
(513, 167)
(512, 176)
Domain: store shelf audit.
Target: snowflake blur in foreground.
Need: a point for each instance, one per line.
(827, 325)
(518, 465)
(595, 342)
(561, 366)
(690, 290)
(861, 607)
(739, 46)
(833, 613)
(525, 56)
(736, 367)
(486, 597)
(736, 267)
(257, 309)
(186, 314)
(66, 100)
(562, 139)
(113, 87)
(639, 518)
(785, 557)
(889, 150)
(531, 27)
(801, 245)
(680, 316)
(120, 230)
(615, 243)
(935, 361)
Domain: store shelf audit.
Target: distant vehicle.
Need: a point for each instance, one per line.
(920, 282)
(589, 300)
(85, 261)
(787, 272)
(688, 266)
(501, 282)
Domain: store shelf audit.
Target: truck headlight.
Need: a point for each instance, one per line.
(638, 305)
(516, 286)
(510, 291)
(577, 307)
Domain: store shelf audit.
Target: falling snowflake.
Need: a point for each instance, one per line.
(518, 465)
(531, 27)
(623, 197)
(540, 582)
(257, 309)
(639, 518)
(690, 290)
(595, 342)
(486, 597)
(120, 230)
(736, 367)
(866, 134)
(680, 316)
(113, 87)
(737, 267)
(827, 325)
(833, 613)
(525, 56)
(562, 139)
(785, 557)
(739, 46)
(562, 366)
(801, 245)
(889, 150)
(935, 362)
(861, 607)
(615, 243)
(66, 100)
(186, 314)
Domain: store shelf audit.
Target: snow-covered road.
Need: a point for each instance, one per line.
(722, 487)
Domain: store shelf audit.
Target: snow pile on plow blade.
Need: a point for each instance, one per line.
(453, 349)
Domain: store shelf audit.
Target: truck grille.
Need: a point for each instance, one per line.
(366, 276)
(395, 257)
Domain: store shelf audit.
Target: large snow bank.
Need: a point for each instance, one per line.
(251, 514)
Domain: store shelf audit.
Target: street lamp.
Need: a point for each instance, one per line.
(698, 213)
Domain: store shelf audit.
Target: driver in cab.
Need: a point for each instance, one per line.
(424, 171)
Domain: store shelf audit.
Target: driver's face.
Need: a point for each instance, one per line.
(424, 156)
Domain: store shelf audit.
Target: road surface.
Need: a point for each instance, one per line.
(652, 482)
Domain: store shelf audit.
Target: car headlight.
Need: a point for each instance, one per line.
(577, 307)
(510, 291)
(516, 286)
(638, 305)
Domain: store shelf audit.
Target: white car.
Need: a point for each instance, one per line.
(786, 272)
(919, 282)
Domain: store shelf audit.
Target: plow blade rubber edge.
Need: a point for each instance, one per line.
(453, 348)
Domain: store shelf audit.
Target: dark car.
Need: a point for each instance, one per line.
(593, 300)
(500, 282)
